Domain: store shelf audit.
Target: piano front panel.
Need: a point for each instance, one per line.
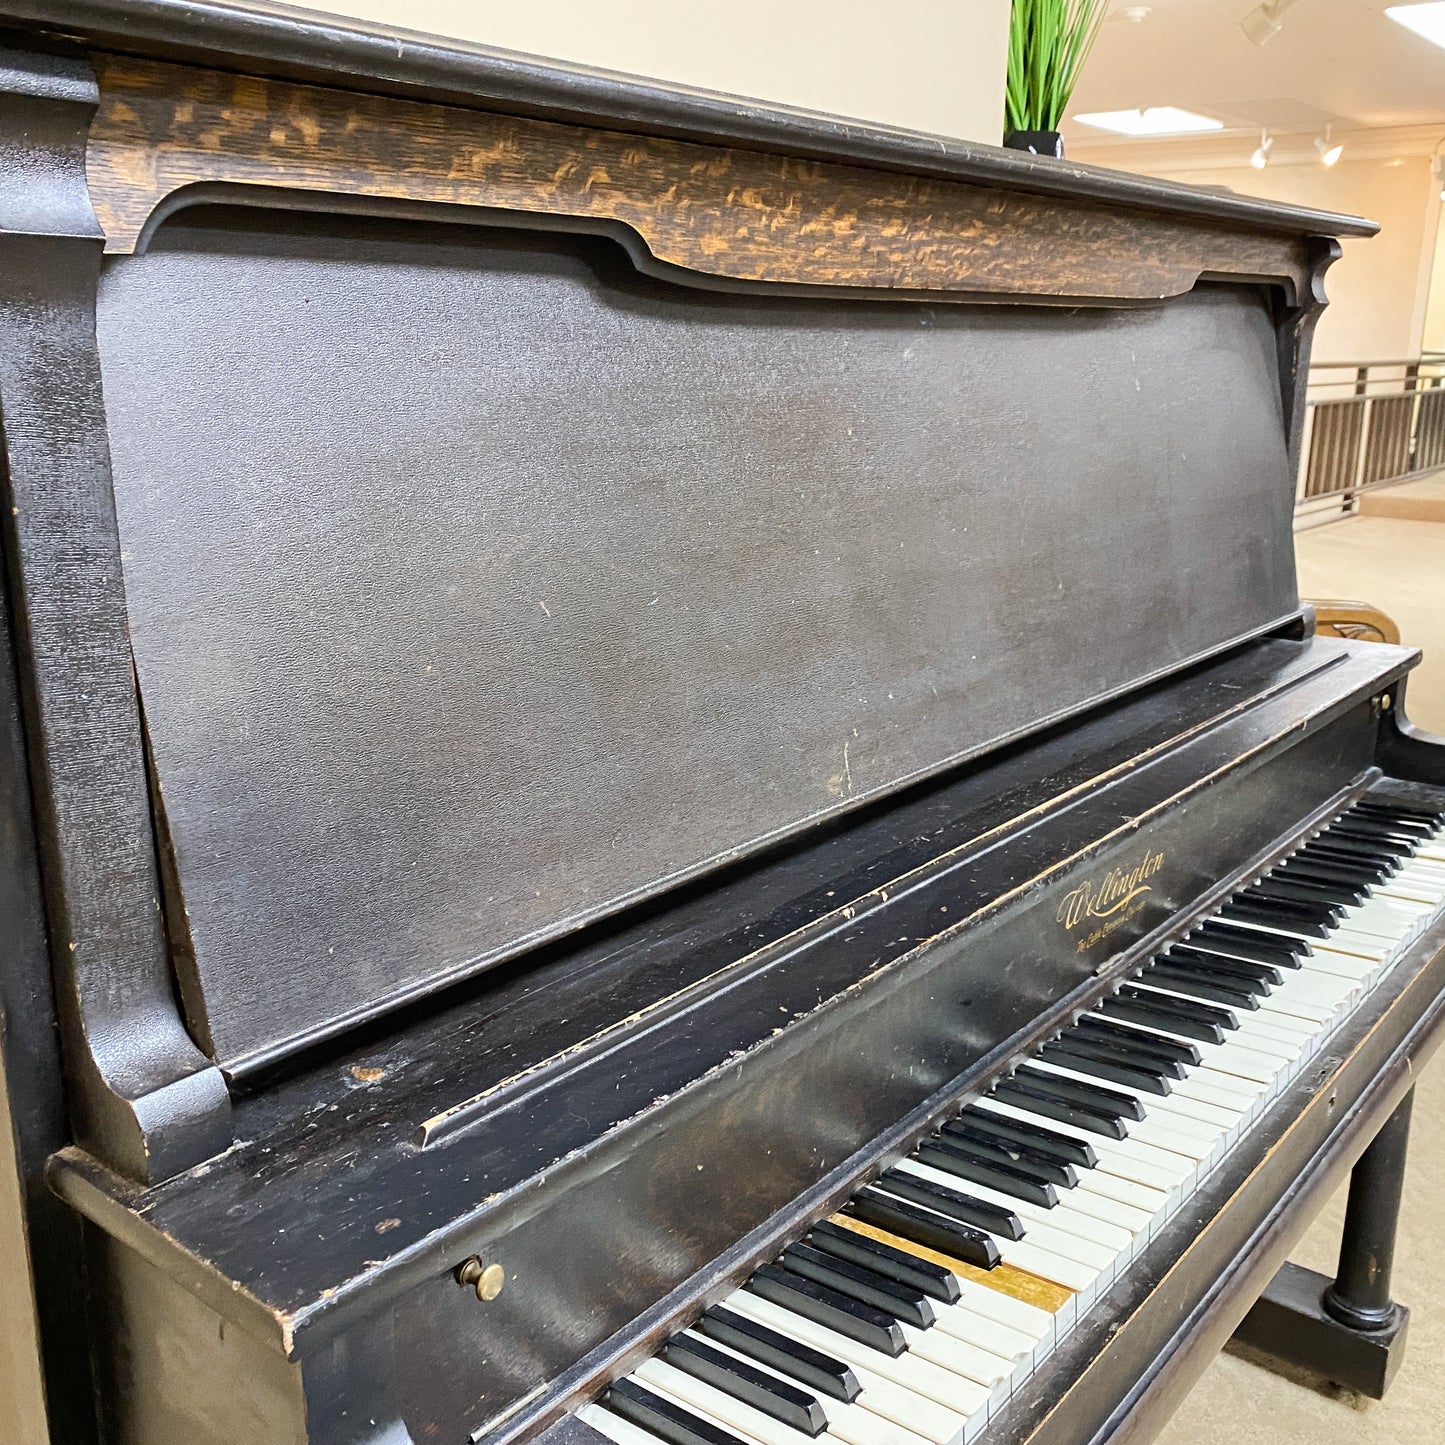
(663, 1201)
(637, 579)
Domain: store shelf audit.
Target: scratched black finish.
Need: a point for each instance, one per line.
(143, 1095)
(32, 1086)
(584, 621)
(587, 1185)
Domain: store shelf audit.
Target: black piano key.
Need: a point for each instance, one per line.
(1154, 1073)
(1152, 1044)
(824, 1306)
(859, 1282)
(925, 1227)
(1410, 827)
(799, 1362)
(1297, 885)
(954, 1157)
(1302, 891)
(1090, 1096)
(1392, 839)
(955, 1203)
(1101, 1062)
(1274, 915)
(1351, 881)
(1035, 1136)
(1180, 1008)
(1037, 1163)
(791, 1404)
(1151, 1016)
(1199, 983)
(923, 1275)
(1428, 817)
(1316, 910)
(1351, 850)
(1248, 943)
(1351, 871)
(1049, 1106)
(663, 1418)
(1368, 826)
(1348, 850)
(1265, 973)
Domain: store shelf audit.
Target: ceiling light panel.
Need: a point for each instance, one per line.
(1427, 21)
(1155, 120)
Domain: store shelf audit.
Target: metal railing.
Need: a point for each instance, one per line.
(1368, 424)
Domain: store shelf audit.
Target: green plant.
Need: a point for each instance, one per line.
(1048, 41)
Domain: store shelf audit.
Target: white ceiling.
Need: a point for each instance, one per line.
(1340, 61)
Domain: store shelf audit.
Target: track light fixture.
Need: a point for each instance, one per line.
(1327, 152)
(1260, 159)
(1265, 21)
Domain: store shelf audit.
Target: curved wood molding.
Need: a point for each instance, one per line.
(1358, 620)
(739, 214)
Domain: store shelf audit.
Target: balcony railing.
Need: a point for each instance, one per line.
(1368, 424)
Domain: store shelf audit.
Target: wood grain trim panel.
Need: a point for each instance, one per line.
(743, 215)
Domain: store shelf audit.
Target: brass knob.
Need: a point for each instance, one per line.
(486, 1279)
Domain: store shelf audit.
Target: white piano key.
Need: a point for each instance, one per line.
(1152, 1129)
(1146, 1198)
(921, 1378)
(947, 1350)
(1062, 1218)
(1067, 1260)
(1127, 1158)
(614, 1427)
(977, 1329)
(851, 1423)
(1015, 1314)
(710, 1403)
(1342, 963)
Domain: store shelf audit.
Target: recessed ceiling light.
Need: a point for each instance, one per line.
(1427, 21)
(1154, 120)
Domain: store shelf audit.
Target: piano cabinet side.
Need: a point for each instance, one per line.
(42, 1297)
(141, 1094)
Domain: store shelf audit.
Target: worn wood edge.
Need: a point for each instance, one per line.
(742, 215)
(113, 1203)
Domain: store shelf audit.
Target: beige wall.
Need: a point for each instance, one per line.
(1435, 303)
(1378, 289)
(930, 65)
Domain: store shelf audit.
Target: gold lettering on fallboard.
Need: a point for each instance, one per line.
(1110, 896)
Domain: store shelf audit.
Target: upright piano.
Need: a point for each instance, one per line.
(663, 780)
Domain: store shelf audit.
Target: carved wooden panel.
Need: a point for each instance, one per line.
(739, 214)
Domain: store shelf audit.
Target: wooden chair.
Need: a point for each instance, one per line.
(1337, 618)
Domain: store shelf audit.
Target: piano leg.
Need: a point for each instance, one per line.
(1347, 1330)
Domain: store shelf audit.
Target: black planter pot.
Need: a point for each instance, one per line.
(1037, 142)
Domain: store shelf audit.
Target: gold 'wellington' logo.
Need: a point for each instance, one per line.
(1115, 892)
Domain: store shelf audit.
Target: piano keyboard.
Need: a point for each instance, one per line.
(911, 1316)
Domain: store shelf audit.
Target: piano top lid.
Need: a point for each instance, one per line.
(279, 40)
